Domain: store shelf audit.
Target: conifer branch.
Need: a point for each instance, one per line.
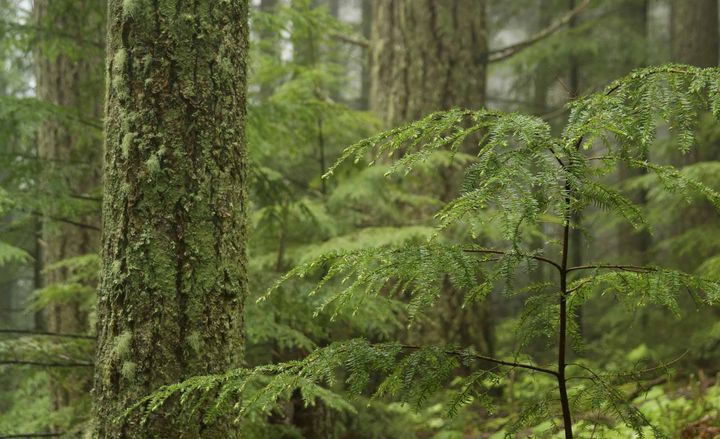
(500, 252)
(489, 359)
(632, 268)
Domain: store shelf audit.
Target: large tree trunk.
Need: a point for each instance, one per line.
(73, 82)
(695, 40)
(174, 230)
(694, 32)
(633, 245)
(426, 55)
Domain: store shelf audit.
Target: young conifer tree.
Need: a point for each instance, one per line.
(522, 176)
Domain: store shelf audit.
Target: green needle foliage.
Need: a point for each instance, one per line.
(523, 181)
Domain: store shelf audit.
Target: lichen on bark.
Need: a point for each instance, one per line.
(174, 268)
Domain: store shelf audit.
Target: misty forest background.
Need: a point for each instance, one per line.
(410, 334)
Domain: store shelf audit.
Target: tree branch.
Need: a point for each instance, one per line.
(506, 52)
(492, 55)
(490, 359)
(66, 221)
(31, 435)
(26, 28)
(500, 252)
(632, 268)
(356, 40)
(43, 364)
(48, 334)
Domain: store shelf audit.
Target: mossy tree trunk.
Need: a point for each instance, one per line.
(426, 55)
(69, 75)
(174, 227)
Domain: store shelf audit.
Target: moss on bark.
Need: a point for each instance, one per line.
(174, 267)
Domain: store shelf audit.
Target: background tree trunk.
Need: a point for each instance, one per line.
(695, 41)
(633, 245)
(425, 56)
(72, 81)
(174, 264)
(694, 32)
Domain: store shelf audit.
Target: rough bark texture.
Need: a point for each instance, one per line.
(426, 55)
(73, 81)
(174, 265)
(694, 32)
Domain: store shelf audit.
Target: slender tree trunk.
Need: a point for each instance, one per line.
(426, 55)
(174, 230)
(563, 322)
(73, 82)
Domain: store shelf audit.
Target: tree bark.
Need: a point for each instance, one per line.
(633, 245)
(425, 56)
(364, 103)
(72, 81)
(695, 41)
(694, 32)
(173, 279)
